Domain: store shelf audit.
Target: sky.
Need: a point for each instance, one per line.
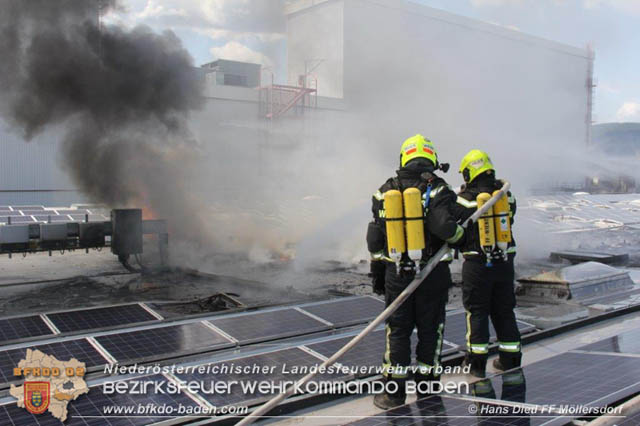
(252, 30)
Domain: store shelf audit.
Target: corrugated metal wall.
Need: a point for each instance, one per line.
(33, 165)
(32, 172)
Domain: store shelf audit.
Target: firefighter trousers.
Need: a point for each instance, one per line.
(487, 292)
(424, 310)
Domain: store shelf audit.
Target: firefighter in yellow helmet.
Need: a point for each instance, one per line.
(425, 308)
(487, 271)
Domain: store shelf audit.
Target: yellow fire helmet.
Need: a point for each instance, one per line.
(475, 163)
(418, 147)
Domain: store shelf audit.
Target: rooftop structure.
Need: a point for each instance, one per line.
(224, 72)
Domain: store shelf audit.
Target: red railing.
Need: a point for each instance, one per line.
(277, 99)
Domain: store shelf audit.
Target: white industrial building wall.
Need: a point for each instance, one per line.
(304, 30)
(32, 165)
(31, 172)
(464, 83)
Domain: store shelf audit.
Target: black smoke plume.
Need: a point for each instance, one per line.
(123, 98)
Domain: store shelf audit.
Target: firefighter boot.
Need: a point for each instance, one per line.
(426, 385)
(387, 399)
(507, 361)
(477, 363)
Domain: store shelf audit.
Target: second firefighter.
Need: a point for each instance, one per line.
(487, 271)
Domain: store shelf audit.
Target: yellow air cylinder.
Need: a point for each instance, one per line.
(502, 223)
(414, 224)
(486, 228)
(394, 225)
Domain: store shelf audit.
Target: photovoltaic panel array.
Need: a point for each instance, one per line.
(567, 213)
(625, 343)
(21, 219)
(444, 410)
(32, 214)
(28, 208)
(367, 353)
(92, 218)
(88, 409)
(162, 341)
(79, 349)
(22, 327)
(88, 319)
(276, 367)
(11, 213)
(629, 420)
(261, 326)
(347, 311)
(578, 379)
(455, 329)
(51, 218)
(73, 211)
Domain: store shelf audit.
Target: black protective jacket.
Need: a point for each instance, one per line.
(439, 223)
(466, 206)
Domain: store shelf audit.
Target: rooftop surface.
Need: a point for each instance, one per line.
(275, 316)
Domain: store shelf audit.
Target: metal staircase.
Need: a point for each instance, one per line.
(277, 99)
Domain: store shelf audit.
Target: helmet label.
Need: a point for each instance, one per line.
(410, 149)
(477, 163)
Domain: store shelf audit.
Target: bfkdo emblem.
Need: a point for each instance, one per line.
(36, 397)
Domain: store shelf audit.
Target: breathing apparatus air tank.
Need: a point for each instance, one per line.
(486, 228)
(394, 226)
(414, 223)
(502, 224)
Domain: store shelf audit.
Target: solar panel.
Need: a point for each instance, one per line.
(263, 326)
(12, 214)
(22, 327)
(22, 219)
(278, 367)
(628, 343)
(569, 213)
(162, 341)
(54, 218)
(72, 211)
(629, 420)
(28, 207)
(88, 409)
(348, 311)
(442, 410)
(92, 217)
(455, 329)
(80, 349)
(88, 319)
(5, 209)
(367, 353)
(579, 379)
(34, 212)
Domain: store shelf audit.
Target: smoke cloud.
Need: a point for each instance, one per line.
(138, 129)
(122, 96)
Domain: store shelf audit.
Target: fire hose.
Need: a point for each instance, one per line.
(431, 264)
